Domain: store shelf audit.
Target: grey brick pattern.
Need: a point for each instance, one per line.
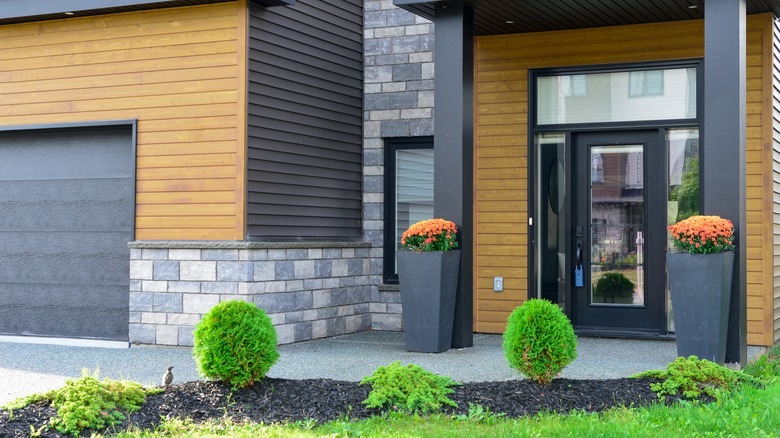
(398, 102)
(308, 292)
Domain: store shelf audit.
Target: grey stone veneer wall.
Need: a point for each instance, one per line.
(398, 48)
(309, 290)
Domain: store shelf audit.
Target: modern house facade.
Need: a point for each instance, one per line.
(192, 152)
(568, 135)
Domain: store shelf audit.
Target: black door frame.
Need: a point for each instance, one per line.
(617, 319)
(569, 131)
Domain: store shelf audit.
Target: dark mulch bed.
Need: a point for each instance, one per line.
(279, 400)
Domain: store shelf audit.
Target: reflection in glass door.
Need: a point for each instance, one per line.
(617, 214)
(551, 210)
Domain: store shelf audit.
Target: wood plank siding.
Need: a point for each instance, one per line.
(179, 72)
(772, 301)
(501, 156)
(305, 121)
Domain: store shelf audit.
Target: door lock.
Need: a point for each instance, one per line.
(579, 275)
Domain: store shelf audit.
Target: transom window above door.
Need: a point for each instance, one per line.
(617, 96)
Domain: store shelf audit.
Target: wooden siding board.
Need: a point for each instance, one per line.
(114, 20)
(501, 108)
(175, 70)
(771, 301)
(305, 121)
(133, 47)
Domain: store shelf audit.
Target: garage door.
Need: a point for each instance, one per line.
(66, 216)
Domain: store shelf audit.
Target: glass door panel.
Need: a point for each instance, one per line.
(617, 214)
(551, 210)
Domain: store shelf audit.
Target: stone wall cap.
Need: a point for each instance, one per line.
(207, 244)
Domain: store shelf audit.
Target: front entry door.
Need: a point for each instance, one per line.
(618, 235)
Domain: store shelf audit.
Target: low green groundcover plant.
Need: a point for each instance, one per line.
(694, 378)
(766, 367)
(409, 388)
(88, 403)
(235, 342)
(539, 340)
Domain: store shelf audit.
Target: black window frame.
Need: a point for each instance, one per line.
(392, 145)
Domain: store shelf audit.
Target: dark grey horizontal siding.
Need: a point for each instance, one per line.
(305, 121)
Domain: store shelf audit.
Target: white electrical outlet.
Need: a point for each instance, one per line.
(498, 284)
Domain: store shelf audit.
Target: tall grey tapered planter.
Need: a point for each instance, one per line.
(700, 286)
(429, 282)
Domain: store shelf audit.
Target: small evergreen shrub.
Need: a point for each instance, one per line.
(409, 388)
(694, 378)
(87, 403)
(539, 340)
(235, 342)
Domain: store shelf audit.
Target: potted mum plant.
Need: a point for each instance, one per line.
(700, 284)
(428, 269)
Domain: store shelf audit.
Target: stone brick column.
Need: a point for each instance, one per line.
(398, 103)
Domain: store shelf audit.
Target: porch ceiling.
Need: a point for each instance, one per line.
(492, 17)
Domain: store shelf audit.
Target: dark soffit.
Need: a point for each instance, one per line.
(16, 11)
(493, 17)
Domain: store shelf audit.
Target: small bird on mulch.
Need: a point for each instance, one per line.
(168, 377)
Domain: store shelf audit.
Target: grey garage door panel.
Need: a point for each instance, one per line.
(62, 205)
(93, 312)
(65, 258)
(66, 215)
(62, 155)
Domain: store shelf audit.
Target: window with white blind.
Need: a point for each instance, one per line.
(409, 193)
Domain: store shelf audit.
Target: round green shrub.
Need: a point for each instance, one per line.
(539, 340)
(235, 342)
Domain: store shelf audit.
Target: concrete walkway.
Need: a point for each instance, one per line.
(30, 368)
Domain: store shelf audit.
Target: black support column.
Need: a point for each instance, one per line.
(453, 148)
(723, 152)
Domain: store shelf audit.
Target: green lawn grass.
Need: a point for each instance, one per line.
(749, 412)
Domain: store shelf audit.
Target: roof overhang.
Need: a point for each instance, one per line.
(15, 11)
(492, 17)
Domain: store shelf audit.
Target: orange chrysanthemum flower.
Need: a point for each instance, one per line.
(430, 235)
(703, 234)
